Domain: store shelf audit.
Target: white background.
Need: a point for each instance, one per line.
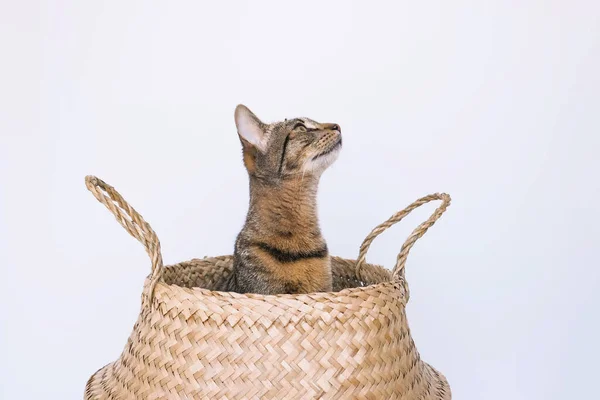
(495, 102)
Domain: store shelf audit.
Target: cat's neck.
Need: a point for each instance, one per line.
(287, 206)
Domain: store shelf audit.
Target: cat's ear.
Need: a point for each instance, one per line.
(250, 128)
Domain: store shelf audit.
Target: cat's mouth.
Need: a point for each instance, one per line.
(333, 148)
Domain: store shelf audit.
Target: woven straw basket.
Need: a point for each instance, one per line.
(191, 342)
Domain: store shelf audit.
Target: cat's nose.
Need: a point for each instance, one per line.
(334, 127)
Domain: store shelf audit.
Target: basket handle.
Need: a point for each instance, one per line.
(133, 223)
(398, 271)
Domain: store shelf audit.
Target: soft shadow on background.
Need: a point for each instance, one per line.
(494, 102)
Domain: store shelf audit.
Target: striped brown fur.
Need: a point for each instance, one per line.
(280, 248)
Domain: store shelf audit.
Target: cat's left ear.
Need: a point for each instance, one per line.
(250, 128)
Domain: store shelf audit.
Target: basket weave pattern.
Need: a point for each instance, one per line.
(192, 341)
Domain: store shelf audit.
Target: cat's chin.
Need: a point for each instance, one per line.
(320, 163)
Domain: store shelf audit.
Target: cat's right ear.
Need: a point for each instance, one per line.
(250, 129)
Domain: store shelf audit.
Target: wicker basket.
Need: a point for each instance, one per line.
(191, 342)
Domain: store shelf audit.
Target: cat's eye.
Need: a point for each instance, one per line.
(299, 127)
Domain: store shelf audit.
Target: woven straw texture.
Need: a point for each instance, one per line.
(192, 341)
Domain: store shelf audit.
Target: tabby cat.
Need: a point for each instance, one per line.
(280, 248)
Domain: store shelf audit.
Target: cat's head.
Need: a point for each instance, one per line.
(294, 147)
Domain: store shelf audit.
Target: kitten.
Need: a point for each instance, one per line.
(280, 248)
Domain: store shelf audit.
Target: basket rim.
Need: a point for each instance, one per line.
(163, 288)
